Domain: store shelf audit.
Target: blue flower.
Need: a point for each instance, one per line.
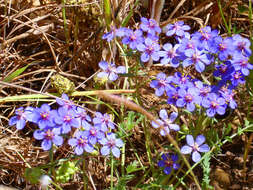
(22, 115)
(242, 45)
(237, 78)
(66, 119)
(110, 71)
(241, 63)
(214, 104)
(197, 58)
(188, 97)
(65, 102)
(170, 55)
(83, 117)
(224, 47)
(111, 144)
(49, 136)
(161, 84)
(43, 116)
(228, 95)
(81, 143)
(166, 122)
(133, 38)
(195, 147)
(150, 26)
(168, 162)
(103, 121)
(204, 37)
(94, 134)
(150, 49)
(177, 28)
(113, 33)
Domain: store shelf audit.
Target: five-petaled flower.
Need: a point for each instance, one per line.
(81, 143)
(168, 162)
(49, 136)
(111, 144)
(166, 124)
(110, 71)
(195, 147)
(22, 115)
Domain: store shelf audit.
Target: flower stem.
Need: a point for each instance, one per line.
(112, 171)
(85, 182)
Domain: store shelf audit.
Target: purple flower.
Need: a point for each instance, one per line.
(242, 45)
(196, 57)
(195, 147)
(224, 47)
(170, 55)
(113, 33)
(224, 70)
(65, 102)
(214, 104)
(168, 162)
(177, 28)
(83, 117)
(161, 84)
(228, 95)
(188, 97)
(166, 122)
(49, 136)
(204, 89)
(133, 38)
(94, 134)
(22, 115)
(182, 80)
(111, 144)
(66, 119)
(150, 26)
(237, 78)
(103, 121)
(242, 64)
(173, 95)
(81, 143)
(110, 70)
(204, 37)
(43, 116)
(150, 48)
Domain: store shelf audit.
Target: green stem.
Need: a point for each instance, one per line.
(51, 157)
(223, 18)
(112, 171)
(85, 181)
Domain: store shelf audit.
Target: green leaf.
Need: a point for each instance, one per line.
(33, 175)
(133, 167)
(16, 73)
(107, 12)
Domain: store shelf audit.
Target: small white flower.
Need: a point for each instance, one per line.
(45, 180)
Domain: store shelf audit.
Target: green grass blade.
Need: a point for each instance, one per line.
(16, 73)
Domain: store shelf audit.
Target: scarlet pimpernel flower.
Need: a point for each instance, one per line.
(21, 117)
(214, 104)
(178, 28)
(161, 84)
(110, 70)
(49, 136)
(150, 49)
(168, 163)
(195, 146)
(103, 121)
(66, 119)
(81, 143)
(133, 38)
(150, 26)
(166, 123)
(111, 144)
(43, 116)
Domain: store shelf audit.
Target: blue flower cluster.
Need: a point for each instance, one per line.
(90, 133)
